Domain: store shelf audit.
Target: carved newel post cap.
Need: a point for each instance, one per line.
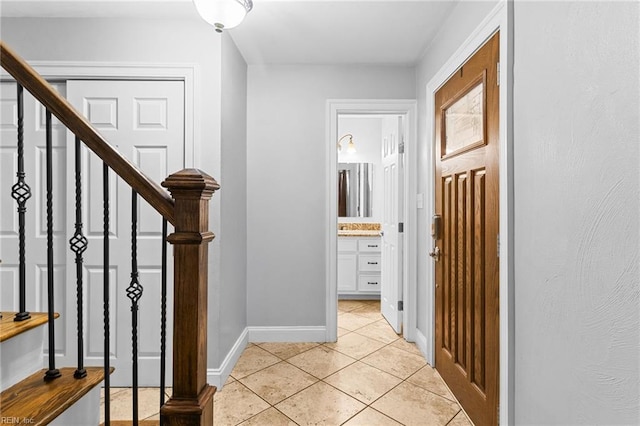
(189, 182)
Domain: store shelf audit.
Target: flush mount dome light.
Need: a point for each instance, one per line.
(223, 13)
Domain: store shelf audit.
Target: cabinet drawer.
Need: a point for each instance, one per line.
(347, 244)
(369, 262)
(369, 282)
(370, 245)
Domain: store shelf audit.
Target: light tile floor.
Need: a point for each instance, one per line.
(369, 377)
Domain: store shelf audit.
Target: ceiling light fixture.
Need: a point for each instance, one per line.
(223, 14)
(351, 147)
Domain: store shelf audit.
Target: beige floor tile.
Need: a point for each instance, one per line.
(270, 417)
(426, 408)
(320, 404)
(287, 350)
(321, 361)
(343, 331)
(352, 321)
(349, 305)
(122, 403)
(235, 404)
(460, 419)
(379, 330)
(369, 306)
(375, 316)
(407, 346)
(277, 382)
(395, 361)
(355, 345)
(428, 378)
(371, 417)
(253, 359)
(363, 382)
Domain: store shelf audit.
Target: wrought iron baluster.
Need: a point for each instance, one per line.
(78, 245)
(163, 316)
(52, 372)
(134, 292)
(105, 294)
(21, 193)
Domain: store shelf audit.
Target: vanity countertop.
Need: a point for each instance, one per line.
(358, 233)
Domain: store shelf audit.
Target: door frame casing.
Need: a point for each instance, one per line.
(499, 19)
(407, 108)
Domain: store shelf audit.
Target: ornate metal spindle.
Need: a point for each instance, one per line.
(163, 315)
(78, 245)
(105, 295)
(134, 292)
(52, 372)
(21, 193)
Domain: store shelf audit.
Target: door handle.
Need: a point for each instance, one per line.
(435, 253)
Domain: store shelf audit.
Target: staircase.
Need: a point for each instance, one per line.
(70, 395)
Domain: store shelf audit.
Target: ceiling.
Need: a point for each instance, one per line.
(288, 31)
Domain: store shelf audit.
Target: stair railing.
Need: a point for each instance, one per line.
(187, 209)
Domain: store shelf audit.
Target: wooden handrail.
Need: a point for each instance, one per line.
(24, 74)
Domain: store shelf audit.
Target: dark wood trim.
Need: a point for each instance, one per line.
(78, 125)
(192, 399)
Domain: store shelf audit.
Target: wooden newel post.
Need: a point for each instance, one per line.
(192, 400)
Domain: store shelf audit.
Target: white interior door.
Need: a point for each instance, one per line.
(391, 285)
(35, 215)
(144, 120)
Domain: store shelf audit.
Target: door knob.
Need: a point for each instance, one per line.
(435, 253)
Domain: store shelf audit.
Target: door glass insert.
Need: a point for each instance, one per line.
(464, 121)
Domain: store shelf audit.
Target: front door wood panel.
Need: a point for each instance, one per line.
(467, 195)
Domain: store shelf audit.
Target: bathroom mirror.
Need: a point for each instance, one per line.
(355, 189)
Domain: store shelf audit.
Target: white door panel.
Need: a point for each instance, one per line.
(391, 284)
(144, 120)
(36, 208)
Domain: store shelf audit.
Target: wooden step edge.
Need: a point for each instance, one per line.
(130, 423)
(10, 328)
(40, 402)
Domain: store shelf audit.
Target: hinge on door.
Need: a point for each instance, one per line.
(400, 305)
(401, 227)
(498, 74)
(498, 241)
(401, 147)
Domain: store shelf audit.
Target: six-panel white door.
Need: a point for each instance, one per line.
(391, 284)
(144, 120)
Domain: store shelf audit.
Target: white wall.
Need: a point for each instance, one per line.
(286, 181)
(230, 293)
(367, 138)
(576, 149)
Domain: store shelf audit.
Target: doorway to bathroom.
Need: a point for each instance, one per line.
(371, 213)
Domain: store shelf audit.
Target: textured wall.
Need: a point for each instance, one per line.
(576, 147)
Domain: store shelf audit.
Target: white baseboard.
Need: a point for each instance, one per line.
(287, 334)
(218, 376)
(421, 343)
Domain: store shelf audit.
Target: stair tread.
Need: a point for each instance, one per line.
(130, 423)
(40, 401)
(10, 328)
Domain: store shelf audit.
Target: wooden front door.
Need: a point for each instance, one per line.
(466, 240)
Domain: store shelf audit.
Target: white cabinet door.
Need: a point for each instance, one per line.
(391, 292)
(144, 120)
(347, 272)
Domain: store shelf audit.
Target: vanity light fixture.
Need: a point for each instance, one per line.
(351, 147)
(223, 13)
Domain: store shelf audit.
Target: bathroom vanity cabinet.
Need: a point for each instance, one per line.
(359, 266)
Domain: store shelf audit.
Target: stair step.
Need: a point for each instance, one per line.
(130, 423)
(40, 402)
(10, 328)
